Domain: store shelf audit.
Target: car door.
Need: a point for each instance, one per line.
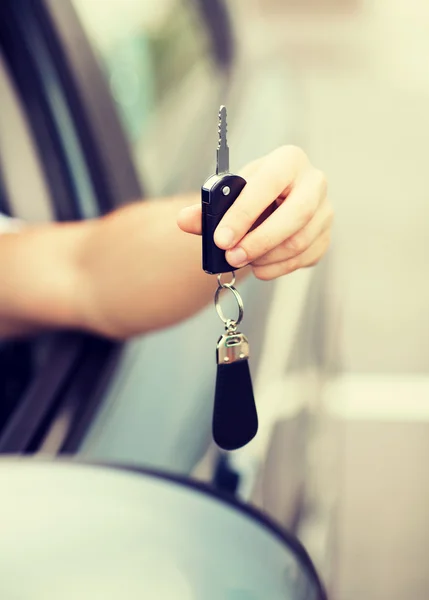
(114, 115)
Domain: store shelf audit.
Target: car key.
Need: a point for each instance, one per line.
(235, 419)
(218, 194)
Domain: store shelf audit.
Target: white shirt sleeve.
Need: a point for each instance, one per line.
(9, 224)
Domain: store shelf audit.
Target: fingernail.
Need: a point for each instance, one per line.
(224, 237)
(237, 257)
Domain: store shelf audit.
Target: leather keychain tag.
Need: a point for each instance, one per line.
(235, 419)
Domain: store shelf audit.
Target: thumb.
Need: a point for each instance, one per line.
(189, 219)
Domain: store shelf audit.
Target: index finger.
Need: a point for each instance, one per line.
(274, 174)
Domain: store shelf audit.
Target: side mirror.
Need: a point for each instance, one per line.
(71, 530)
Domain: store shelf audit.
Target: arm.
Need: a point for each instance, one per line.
(129, 272)
(142, 271)
(135, 270)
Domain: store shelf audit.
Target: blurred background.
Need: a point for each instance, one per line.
(107, 102)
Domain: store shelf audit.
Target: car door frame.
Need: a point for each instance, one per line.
(31, 47)
(69, 389)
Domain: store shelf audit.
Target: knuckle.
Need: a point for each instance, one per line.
(298, 242)
(261, 245)
(306, 213)
(243, 216)
(321, 181)
(328, 217)
(314, 261)
(289, 152)
(327, 240)
(239, 216)
(262, 273)
(291, 265)
(261, 262)
(325, 243)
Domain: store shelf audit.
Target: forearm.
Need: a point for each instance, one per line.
(142, 272)
(38, 283)
(136, 270)
(124, 274)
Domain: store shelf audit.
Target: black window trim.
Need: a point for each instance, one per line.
(16, 35)
(4, 194)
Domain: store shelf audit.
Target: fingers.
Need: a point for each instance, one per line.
(189, 219)
(303, 239)
(251, 168)
(307, 259)
(271, 177)
(274, 242)
(290, 217)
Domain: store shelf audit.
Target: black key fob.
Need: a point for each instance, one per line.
(218, 194)
(235, 419)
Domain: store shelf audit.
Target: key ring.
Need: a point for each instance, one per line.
(229, 284)
(229, 323)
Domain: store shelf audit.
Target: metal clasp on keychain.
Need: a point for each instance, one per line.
(232, 345)
(235, 420)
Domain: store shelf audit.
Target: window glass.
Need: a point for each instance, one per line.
(24, 193)
(147, 48)
(157, 60)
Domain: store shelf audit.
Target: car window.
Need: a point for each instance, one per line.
(157, 59)
(24, 194)
(22, 174)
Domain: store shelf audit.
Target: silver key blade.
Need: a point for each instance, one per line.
(222, 165)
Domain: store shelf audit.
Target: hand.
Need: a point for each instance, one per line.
(295, 234)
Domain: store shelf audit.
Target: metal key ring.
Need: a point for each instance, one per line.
(230, 283)
(229, 286)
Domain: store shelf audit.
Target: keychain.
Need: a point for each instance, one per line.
(235, 420)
